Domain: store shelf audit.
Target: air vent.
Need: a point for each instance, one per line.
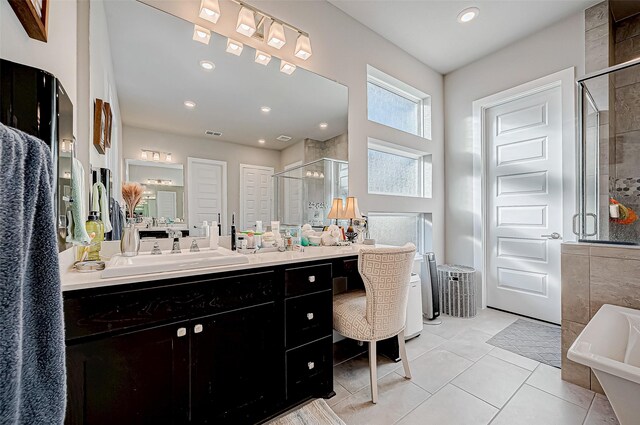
(212, 133)
(283, 138)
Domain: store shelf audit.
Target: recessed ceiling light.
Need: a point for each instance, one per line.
(265, 109)
(234, 47)
(189, 104)
(323, 125)
(207, 65)
(468, 14)
(262, 141)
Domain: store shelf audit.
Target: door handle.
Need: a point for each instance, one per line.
(554, 235)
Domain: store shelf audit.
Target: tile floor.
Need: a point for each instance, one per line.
(460, 379)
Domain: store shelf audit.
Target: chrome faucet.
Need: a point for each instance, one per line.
(194, 246)
(176, 235)
(156, 249)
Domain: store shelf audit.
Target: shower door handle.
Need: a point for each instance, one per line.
(574, 226)
(595, 224)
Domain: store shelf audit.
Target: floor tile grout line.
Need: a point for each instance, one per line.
(589, 410)
(568, 401)
(511, 398)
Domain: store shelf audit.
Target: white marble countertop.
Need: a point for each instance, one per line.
(73, 280)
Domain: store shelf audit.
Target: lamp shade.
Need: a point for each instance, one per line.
(276, 37)
(303, 47)
(246, 22)
(210, 10)
(337, 211)
(352, 211)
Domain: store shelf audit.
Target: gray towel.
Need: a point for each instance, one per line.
(32, 358)
(117, 221)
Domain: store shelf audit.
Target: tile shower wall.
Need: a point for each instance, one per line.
(625, 182)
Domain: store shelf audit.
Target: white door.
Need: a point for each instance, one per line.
(293, 195)
(523, 140)
(206, 193)
(255, 195)
(166, 202)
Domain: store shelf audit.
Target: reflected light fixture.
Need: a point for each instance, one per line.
(234, 47)
(276, 37)
(144, 155)
(156, 156)
(201, 34)
(246, 22)
(265, 109)
(468, 14)
(323, 125)
(303, 47)
(207, 65)
(210, 10)
(287, 67)
(262, 141)
(189, 104)
(262, 58)
(168, 157)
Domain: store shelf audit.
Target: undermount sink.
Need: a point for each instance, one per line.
(146, 263)
(610, 346)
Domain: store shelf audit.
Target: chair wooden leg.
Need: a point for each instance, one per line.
(403, 355)
(373, 371)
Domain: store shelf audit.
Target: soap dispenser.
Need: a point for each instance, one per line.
(95, 227)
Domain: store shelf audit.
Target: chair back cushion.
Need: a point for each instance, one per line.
(386, 273)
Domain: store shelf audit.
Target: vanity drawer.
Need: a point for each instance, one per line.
(309, 369)
(305, 280)
(308, 317)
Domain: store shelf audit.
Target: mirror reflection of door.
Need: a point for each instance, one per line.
(206, 194)
(255, 195)
(166, 203)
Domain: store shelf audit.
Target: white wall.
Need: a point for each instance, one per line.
(556, 48)
(135, 139)
(102, 85)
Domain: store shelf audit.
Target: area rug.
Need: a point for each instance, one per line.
(537, 341)
(317, 412)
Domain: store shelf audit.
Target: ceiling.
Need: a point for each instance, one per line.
(429, 30)
(157, 70)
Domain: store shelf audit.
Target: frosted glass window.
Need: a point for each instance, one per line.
(398, 229)
(391, 109)
(391, 174)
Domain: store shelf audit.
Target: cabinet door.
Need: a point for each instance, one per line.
(136, 378)
(237, 367)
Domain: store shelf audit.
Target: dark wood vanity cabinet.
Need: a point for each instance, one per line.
(218, 349)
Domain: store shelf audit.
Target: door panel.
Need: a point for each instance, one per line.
(255, 195)
(136, 378)
(524, 197)
(237, 366)
(206, 193)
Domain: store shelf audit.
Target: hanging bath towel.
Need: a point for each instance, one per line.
(32, 357)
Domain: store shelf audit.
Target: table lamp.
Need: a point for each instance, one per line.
(337, 211)
(351, 212)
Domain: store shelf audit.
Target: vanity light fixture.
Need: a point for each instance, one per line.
(207, 65)
(189, 104)
(323, 125)
(210, 10)
(246, 22)
(276, 37)
(287, 67)
(468, 14)
(168, 157)
(234, 47)
(156, 156)
(201, 34)
(265, 109)
(262, 141)
(262, 58)
(67, 174)
(144, 155)
(303, 47)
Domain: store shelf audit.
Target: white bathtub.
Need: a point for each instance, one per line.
(602, 346)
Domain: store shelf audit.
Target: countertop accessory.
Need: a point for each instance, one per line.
(89, 266)
(130, 243)
(352, 212)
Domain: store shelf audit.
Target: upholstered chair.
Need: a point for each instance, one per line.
(378, 312)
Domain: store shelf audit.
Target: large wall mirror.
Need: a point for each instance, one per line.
(225, 122)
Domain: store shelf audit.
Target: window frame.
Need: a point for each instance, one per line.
(392, 149)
